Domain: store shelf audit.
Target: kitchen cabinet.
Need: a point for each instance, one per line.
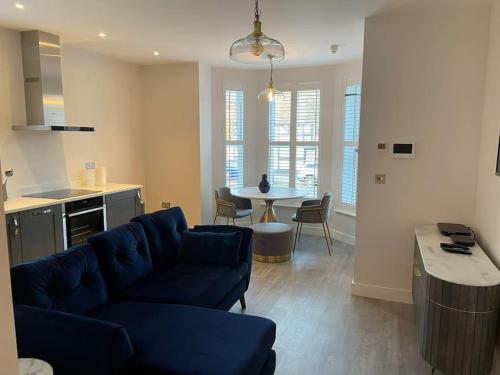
(123, 206)
(41, 232)
(35, 233)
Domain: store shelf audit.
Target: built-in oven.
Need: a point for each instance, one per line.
(82, 219)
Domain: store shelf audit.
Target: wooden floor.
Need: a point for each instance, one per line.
(321, 328)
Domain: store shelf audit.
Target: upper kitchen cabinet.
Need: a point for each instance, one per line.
(35, 233)
(123, 206)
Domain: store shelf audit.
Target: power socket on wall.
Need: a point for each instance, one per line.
(165, 204)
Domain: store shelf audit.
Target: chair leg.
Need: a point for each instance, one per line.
(326, 239)
(300, 232)
(251, 220)
(295, 239)
(227, 223)
(329, 234)
(234, 222)
(215, 219)
(243, 302)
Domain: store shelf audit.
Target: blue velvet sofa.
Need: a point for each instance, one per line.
(116, 305)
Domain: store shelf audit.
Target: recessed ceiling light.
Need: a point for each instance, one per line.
(156, 53)
(102, 35)
(19, 6)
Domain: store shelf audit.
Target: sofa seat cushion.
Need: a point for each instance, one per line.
(173, 339)
(69, 282)
(186, 284)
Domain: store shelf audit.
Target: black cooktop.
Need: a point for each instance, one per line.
(62, 194)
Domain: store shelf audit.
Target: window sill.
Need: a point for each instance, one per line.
(345, 212)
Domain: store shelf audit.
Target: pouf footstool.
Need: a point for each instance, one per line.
(272, 242)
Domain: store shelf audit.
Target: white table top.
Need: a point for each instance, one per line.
(32, 366)
(471, 270)
(276, 193)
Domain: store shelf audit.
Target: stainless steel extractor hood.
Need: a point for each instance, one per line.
(43, 84)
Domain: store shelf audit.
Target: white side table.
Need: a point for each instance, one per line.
(32, 366)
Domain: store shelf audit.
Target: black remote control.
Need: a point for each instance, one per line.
(454, 249)
(454, 246)
(457, 251)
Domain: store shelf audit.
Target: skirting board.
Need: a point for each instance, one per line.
(381, 292)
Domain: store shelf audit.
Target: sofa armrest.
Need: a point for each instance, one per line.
(71, 344)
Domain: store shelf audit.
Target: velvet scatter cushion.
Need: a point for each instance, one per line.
(210, 248)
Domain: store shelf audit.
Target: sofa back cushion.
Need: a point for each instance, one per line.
(70, 282)
(123, 255)
(210, 248)
(164, 232)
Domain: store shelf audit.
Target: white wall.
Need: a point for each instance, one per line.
(331, 80)
(487, 218)
(205, 101)
(99, 91)
(423, 81)
(487, 215)
(172, 143)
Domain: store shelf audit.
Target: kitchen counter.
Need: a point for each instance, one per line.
(26, 203)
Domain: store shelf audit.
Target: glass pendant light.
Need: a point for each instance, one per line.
(256, 47)
(270, 93)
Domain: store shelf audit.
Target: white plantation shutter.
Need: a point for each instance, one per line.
(349, 180)
(234, 134)
(280, 112)
(307, 141)
(293, 158)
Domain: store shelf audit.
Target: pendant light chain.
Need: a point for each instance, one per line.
(257, 11)
(272, 65)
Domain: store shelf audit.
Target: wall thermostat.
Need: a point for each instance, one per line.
(403, 150)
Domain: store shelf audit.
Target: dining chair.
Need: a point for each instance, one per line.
(231, 207)
(315, 211)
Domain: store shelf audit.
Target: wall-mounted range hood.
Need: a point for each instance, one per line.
(43, 88)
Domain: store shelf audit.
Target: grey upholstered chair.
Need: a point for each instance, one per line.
(315, 211)
(231, 207)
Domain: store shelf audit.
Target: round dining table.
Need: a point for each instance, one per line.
(275, 194)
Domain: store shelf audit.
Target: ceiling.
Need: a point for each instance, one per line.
(200, 30)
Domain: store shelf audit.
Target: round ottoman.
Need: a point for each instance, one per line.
(272, 242)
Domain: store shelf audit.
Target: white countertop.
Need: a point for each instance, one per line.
(471, 270)
(26, 203)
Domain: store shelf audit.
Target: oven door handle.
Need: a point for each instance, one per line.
(86, 211)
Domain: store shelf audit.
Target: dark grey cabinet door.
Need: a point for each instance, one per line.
(41, 232)
(14, 239)
(122, 207)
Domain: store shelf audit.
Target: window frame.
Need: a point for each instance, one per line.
(242, 142)
(293, 143)
(341, 206)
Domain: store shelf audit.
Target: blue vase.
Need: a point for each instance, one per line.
(264, 185)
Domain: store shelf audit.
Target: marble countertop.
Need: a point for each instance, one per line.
(471, 270)
(32, 366)
(26, 203)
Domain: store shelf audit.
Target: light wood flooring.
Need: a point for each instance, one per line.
(321, 328)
